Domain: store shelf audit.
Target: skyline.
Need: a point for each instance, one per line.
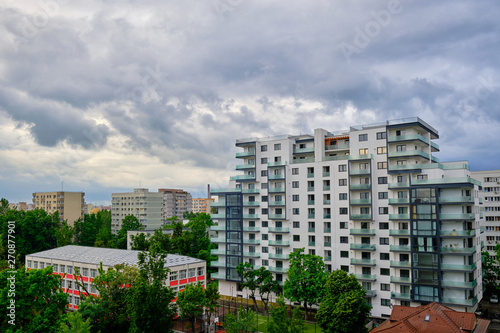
(111, 96)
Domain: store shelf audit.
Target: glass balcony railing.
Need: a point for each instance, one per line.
(327, 230)
(276, 177)
(400, 264)
(354, 187)
(311, 229)
(361, 216)
(251, 203)
(218, 204)
(402, 280)
(402, 232)
(310, 175)
(400, 248)
(401, 296)
(409, 137)
(337, 147)
(446, 181)
(279, 230)
(370, 293)
(217, 240)
(218, 216)
(217, 276)
(457, 233)
(365, 277)
(303, 160)
(251, 229)
(278, 163)
(279, 243)
(408, 153)
(245, 153)
(310, 202)
(362, 232)
(458, 250)
(336, 158)
(217, 252)
(458, 284)
(365, 262)
(399, 185)
(251, 255)
(250, 191)
(278, 269)
(456, 216)
(365, 247)
(303, 150)
(455, 267)
(276, 216)
(328, 258)
(399, 216)
(242, 177)
(360, 201)
(460, 301)
(251, 241)
(245, 166)
(276, 203)
(217, 228)
(465, 199)
(217, 264)
(359, 172)
(278, 256)
(311, 243)
(360, 157)
(399, 201)
(276, 190)
(326, 174)
(326, 202)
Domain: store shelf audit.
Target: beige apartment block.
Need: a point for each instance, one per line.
(175, 202)
(202, 205)
(70, 205)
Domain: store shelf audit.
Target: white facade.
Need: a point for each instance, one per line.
(64, 260)
(373, 200)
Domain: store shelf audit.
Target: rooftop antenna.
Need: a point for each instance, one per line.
(62, 186)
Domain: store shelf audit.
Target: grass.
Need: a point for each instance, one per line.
(262, 324)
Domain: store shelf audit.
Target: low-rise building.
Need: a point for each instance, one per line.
(202, 205)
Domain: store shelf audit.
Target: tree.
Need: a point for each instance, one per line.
(267, 285)
(251, 280)
(129, 222)
(39, 300)
(140, 242)
(212, 297)
(491, 271)
(64, 234)
(306, 278)
(94, 230)
(343, 309)
(279, 322)
(190, 302)
(149, 302)
(243, 321)
(74, 323)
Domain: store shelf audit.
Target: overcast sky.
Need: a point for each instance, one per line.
(109, 95)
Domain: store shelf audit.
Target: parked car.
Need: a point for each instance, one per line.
(494, 299)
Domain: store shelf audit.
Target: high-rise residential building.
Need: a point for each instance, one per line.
(202, 205)
(69, 204)
(490, 199)
(175, 202)
(145, 205)
(373, 200)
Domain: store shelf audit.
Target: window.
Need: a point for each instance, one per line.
(363, 137)
(192, 272)
(265, 249)
(93, 273)
(263, 160)
(296, 238)
(85, 272)
(42, 265)
(182, 274)
(264, 198)
(343, 210)
(295, 211)
(385, 271)
(421, 176)
(383, 225)
(384, 256)
(385, 302)
(344, 254)
(263, 148)
(264, 211)
(343, 225)
(345, 268)
(342, 196)
(295, 171)
(70, 270)
(363, 151)
(381, 135)
(295, 197)
(263, 186)
(401, 148)
(342, 182)
(62, 269)
(342, 167)
(265, 236)
(35, 264)
(296, 224)
(265, 224)
(382, 150)
(401, 162)
(295, 184)
(382, 180)
(382, 165)
(200, 271)
(263, 173)
(173, 276)
(277, 146)
(56, 268)
(383, 210)
(277, 158)
(265, 262)
(384, 240)
(29, 263)
(344, 239)
(383, 195)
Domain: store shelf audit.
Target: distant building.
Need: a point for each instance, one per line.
(175, 202)
(64, 260)
(432, 317)
(202, 205)
(70, 205)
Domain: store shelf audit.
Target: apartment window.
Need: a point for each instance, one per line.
(277, 146)
(343, 225)
(382, 165)
(402, 194)
(93, 273)
(56, 267)
(421, 177)
(363, 151)
(85, 272)
(364, 210)
(69, 269)
(385, 302)
(344, 239)
(343, 210)
(364, 195)
(344, 254)
(295, 171)
(296, 238)
(296, 224)
(382, 180)
(295, 184)
(265, 249)
(182, 274)
(402, 179)
(384, 240)
(265, 262)
(384, 256)
(264, 211)
(363, 137)
(265, 224)
(277, 158)
(263, 160)
(295, 211)
(200, 271)
(295, 197)
(342, 196)
(42, 265)
(264, 198)
(192, 272)
(62, 269)
(173, 276)
(383, 225)
(342, 182)
(385, 286)
(263, 173)
(385, 271)
(264, 237)
(263, 186)
(382, 150)
(29, 263)
(401, 162)
(345, 268)
(383, 195)
(263, 148)
(383, 210)
(401, 148)
(342, 167)
(381, 135)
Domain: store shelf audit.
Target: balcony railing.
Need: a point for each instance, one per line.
(276, 203)
(361, 216)
(217, 252)
(360, 201)
(278, 269)
(364, 262)
(399, 201)
(245, 166)
(303, 150)
(401, 232)
(251, 203)
(401, 296)
(251, 255)
(276, 177)
(399, 216)
(279, 230)
(456, 216)
(465, 199)
(398, 279)
(303, 160)
(400, 264)
(245, 153)
(355, 187)
(277, 216)
(400, 248)
(365, 247)
(359, 172)
(243, 177)
(458, 250)
(278, 256)
(276, 190)
(455, 267)
(366, 277)
(458, 284)
(460, 301)
(362, 232)
(279, 243)
(408, 153)
(457, 233)
(251, 241)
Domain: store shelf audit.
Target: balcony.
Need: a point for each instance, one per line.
(303, 150)
(460, 301)
(310, 175)
(360, 187)
(278, 269)
(361, 216)
(359, 172)
(245, 153)
(245, 166)
(251, 229)
(311, 243)
(276, 177)
(399, 201)
(251, 203)
(466, 199)
(311, 229)
(251, 241)
(458, 250)
(456, 216)
(328, 258)
(217, 264)
(405, 297)
(326, 202)
(278, 256)
(277, 216)
(217, 240)
(250, 216)
(327, 216)
(276, 190)
(242, 177)
(363, 262)
(401, 280)
(458, 284)
(457, 233)
(250, 191)
(409, 137)
(342, 146)
(326, 174)
(251, 255)
(366, 277)
(310, 202)
(362, 232)
(218, 204)
(399, 185)
(360, 157)
(217, 276)
(218, 252)
(328, 244)
(303, 160)
(363, 247)
(217, 228)
(360, 202)
(400, 248)
(218, 216)
(310, 188)
(276, 203)
(399, 216)
(279, 230)
(370, 293)
(279, 243)
(408, 153)
(278, 163)
(400, 264)
(401, 232)
(458, 268)
(326, 188)
(459, 180)
(327, 230)
(310, 216)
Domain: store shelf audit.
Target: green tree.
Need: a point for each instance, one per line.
(243, 321)
(343, 309)
(129, 222)
(190, 302)
(212, 298)
(163, 241)
(279, 321)
(73, 323)
(149, 302)
(267, 285)
(39, 300)
(306, 279)
(140, 242)
(64, 234)
(251, 280)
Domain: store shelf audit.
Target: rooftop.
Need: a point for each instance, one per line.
(108, 257)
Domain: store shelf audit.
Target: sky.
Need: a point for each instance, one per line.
(106, 96)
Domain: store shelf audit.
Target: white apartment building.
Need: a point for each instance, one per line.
(373, 200)
(490, 199)
(175, 203)
(64, 260)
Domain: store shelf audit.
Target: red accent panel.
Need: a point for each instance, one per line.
(76, 292)
(183, 281)
(85, 279)
(70, 306)
(62, 274)
(193, 279)
(76, 307)
(70, 291)
(91, 279)
(69, 276)
(174, 283)
(201, 277)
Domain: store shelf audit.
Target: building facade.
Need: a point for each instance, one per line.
(202, 205)
(64, 260)
(70, 205)
(373, 200)
(175, 203)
